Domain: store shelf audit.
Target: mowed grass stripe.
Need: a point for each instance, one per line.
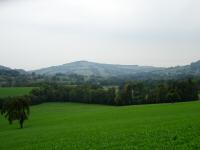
(61, 126)
(14, 91)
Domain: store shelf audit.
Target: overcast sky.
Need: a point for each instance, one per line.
(41, 33)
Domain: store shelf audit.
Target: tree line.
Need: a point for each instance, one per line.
(130, 93)
(149, 92)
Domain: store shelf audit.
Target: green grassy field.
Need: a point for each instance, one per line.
(62, 126)
(14, 91)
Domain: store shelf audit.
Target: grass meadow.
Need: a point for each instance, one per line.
(63, 126)
(14, 91)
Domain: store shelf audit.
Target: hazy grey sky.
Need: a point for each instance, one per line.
(41, 33)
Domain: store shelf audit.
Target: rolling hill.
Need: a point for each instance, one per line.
(86, 68)
(192, 69)
(4, 68)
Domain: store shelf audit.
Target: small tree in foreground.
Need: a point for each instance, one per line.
(16, 108)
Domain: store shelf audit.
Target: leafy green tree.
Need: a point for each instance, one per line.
(111, 96)
(118, 98)
(173, 96)
(127, 94)
(138, 93)
(16, 108)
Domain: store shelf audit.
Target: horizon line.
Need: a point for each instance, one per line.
(105, 63)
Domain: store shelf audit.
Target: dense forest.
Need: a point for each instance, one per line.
(132, 92)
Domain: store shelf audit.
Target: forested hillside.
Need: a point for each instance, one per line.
(82, 72)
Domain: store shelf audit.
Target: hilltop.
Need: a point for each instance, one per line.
(87, 68)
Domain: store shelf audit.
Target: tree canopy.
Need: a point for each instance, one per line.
(16, 108)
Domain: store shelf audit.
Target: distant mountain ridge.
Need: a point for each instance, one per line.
(87, 68)
(192, 69)
(6, 71)
(4, 68)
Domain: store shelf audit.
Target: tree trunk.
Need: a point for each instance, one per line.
(21, 123)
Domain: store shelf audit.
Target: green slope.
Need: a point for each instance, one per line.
(14, 91)
(61, 126)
